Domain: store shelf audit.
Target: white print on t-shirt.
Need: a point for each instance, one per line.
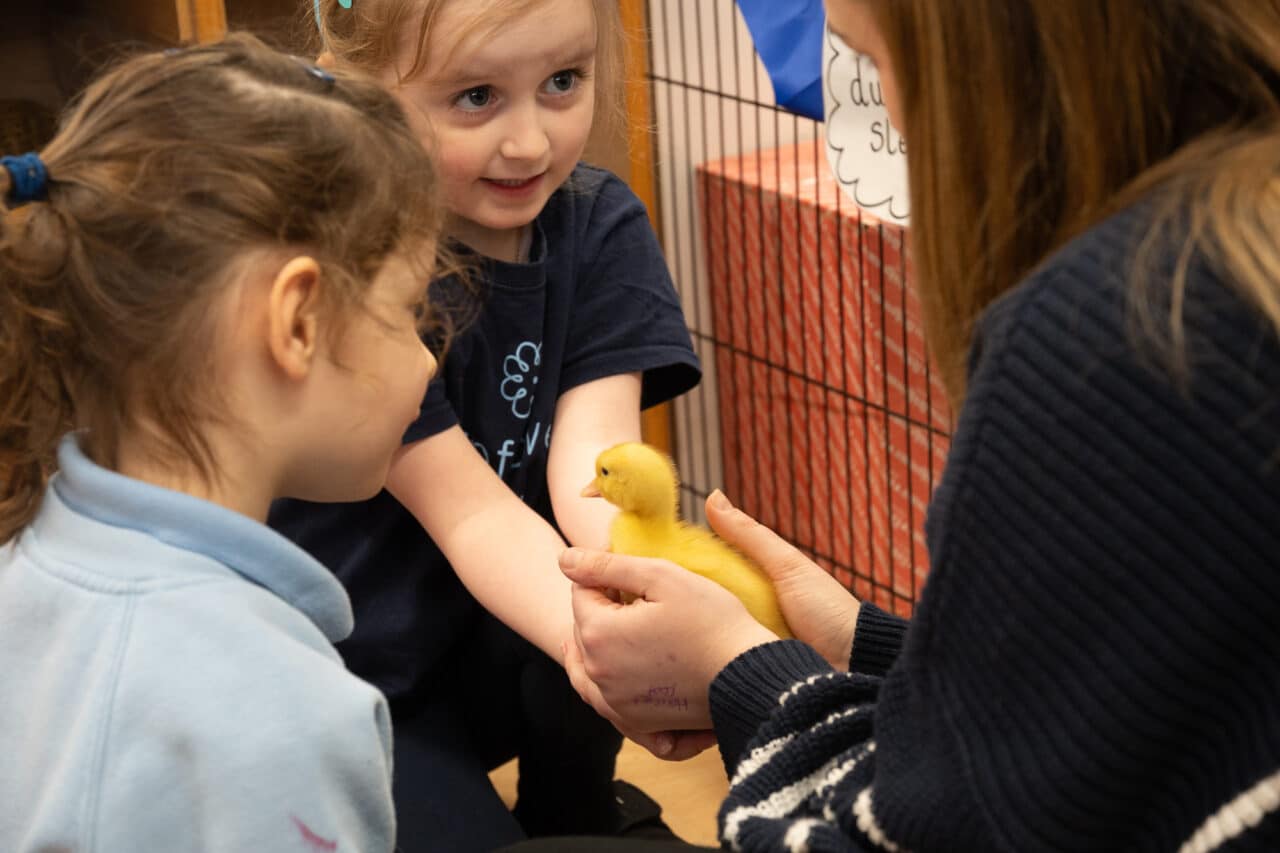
(507, 451)
(520, 378)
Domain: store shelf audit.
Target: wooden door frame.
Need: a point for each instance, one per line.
(642, 171)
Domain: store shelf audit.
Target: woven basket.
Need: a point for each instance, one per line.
(24, 126)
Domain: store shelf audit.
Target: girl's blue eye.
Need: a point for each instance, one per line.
(562, 82)
(475, 99)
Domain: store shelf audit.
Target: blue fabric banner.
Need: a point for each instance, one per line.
(788, 37)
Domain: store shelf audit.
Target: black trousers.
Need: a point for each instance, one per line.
(499, 697)
(601, 845)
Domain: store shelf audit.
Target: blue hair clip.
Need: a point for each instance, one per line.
(346, 4)
(30, 178)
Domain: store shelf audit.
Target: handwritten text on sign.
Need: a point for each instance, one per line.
(867, 153)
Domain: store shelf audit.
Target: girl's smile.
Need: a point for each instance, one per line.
(519, 188)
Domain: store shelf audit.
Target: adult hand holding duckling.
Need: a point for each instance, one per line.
(647, 666)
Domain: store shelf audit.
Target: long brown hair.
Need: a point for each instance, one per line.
(165, 174)
(370, 35)
(1029, 120)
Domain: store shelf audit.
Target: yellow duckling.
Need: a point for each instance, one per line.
(643, 483)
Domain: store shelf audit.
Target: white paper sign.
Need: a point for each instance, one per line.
(867, 154)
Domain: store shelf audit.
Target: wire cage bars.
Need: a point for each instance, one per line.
(818, 413)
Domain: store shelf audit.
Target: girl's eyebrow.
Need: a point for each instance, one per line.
(478, 72)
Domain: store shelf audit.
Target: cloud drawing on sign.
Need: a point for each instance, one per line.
(867, 154)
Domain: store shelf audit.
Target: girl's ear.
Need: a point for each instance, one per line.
(293, 317)
(326, 60)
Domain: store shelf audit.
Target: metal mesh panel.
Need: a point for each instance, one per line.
(818, 413)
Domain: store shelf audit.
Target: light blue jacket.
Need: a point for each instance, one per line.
(168, 683)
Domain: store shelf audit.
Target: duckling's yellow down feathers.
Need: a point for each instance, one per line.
(642, 482)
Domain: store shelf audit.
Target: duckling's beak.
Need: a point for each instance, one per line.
(592, 490)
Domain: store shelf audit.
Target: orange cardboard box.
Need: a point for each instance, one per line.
(833, 428)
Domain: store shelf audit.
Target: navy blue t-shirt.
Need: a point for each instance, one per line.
(594, 300)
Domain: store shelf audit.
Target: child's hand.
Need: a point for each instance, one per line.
(647, 666)
(817, 607)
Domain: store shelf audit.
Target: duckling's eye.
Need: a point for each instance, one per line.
(604, 472)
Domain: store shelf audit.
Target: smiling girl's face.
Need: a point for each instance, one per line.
(506, 111)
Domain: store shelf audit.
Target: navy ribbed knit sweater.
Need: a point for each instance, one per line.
(1094, 663)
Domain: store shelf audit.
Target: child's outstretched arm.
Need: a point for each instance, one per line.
(504, 552)
(590, 418)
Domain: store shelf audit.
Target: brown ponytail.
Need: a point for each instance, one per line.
(35, 405)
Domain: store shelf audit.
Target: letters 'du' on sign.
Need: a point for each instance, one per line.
(867, 153)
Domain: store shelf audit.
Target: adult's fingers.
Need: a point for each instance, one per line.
(778, 557)
(584, 597)
(603, 569)
(690, 743)
(674, 746)
(586, 688)
(661, 744)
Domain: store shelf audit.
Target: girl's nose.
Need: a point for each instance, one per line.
(526, 139)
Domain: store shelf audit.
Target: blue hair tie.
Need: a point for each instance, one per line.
(315, 71)
(30, 178)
